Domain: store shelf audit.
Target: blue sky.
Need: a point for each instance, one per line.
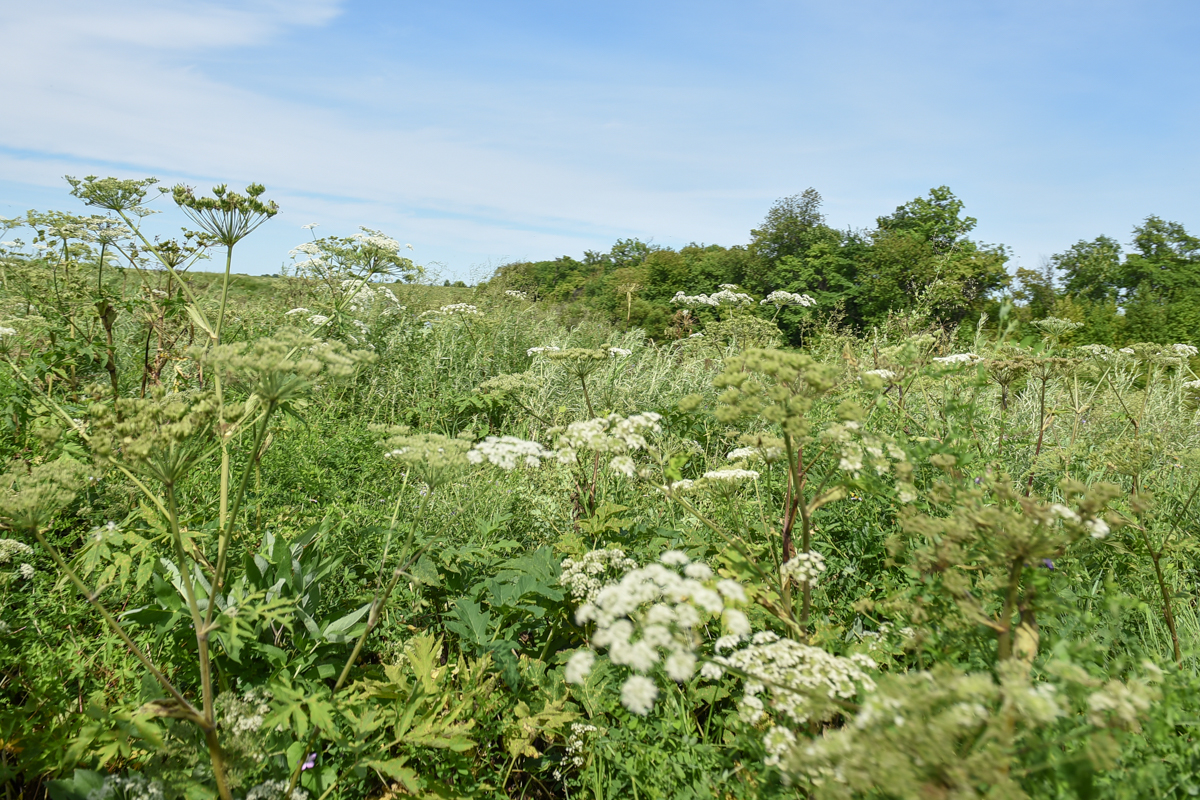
(485, 132)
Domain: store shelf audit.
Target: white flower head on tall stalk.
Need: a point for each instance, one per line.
(533, 351)
(694, 301)
(586, 576)
(612, 434)
(729, 297)
(507, 452)
(804, 568)
(514, 293)
(652, 618)
(310, 226)
(726, 481)
(958, 359)
(12, 547)
(1184, 350)
(780, 299)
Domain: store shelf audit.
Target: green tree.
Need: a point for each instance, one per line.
(1091, 270)
(921, 255)
(1163, 279)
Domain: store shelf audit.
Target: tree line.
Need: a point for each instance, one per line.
(921, 256)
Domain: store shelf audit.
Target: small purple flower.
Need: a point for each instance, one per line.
(309, 762)
(1047, 563)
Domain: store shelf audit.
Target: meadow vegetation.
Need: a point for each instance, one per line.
(341, 534)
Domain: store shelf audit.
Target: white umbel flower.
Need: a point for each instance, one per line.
(958, 358)
(804, 568)
(579, 666)
(507, 451)
(638, 694)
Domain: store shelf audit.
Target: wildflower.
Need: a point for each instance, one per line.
(1192, 385)
(742, 452)
(729, 297)
(547, 349)
(886, 375)
(26, 571)
(310, 226)
(1097, 527)
(780, 299)
(638, 694)
(579, 666)
(623, 465)
(615, 352)
(727, 475)
(318, 320)
(804, 567)
(7, 331)
(679, 486)
(514, 293)
(1184, 350)
(692, 301)
(1129, 351)
(611, 434)
(460, 309)
(582, 576)
(958, 358)
(674, 558)
(731, 590)
(10, 548)
(295, 311)
(506, 451)
(680, 666)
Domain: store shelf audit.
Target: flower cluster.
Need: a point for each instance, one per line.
(615, 352)
(728, 297)
(804, 568)
(546, 349)
(243, 715)
(780, 299)
(517, 294)
(10, 548)
(666, 603)
(455, 309)
(1184, 350)
(507, 451)
(576, 744)
(694, 300)
(799, 679)
(612, 434)
(859, 449)
(1099, 351)
(583, 577)
(958, 358)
